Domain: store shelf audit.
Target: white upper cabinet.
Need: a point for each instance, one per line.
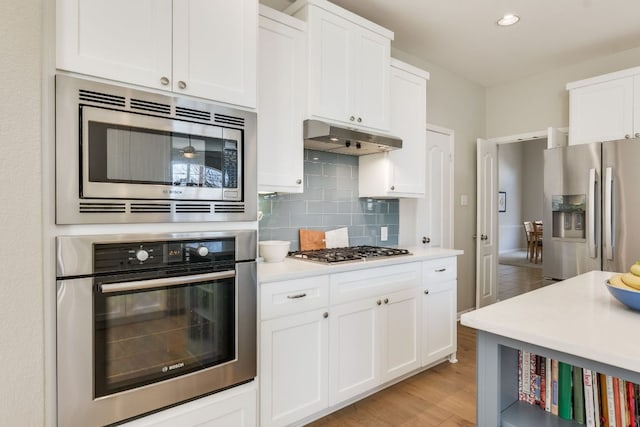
(348, 59)
(605, 108)
(400, 173)
(203, 48)
(281, 100)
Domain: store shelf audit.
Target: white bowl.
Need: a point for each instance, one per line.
(274, 250)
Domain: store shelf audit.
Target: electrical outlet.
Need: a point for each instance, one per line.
(383, 234)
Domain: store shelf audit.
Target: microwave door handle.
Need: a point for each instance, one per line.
(164, 282)
(608, 214)
(591, 224)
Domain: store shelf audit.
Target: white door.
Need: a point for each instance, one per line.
(438, 321)
(214, 49)
(281, 106)
(401, 333)
(123, 40)
(354, 335)
(487, 224)
(294, 367)
(437, 206)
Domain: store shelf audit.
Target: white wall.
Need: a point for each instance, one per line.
(533, 179)
(537, 102)
(21, 288)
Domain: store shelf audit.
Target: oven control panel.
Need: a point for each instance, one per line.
(123, 257)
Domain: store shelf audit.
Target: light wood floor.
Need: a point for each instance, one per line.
(444, 395)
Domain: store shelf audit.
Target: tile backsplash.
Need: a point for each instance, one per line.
(330, 200)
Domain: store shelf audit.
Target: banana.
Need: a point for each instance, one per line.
(616, 280)
(635, 269)
(631, 280)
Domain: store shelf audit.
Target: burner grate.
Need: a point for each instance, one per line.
(353, 253)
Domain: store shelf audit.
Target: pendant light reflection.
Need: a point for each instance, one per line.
(189, 152)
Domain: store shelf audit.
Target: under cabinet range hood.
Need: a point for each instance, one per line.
(323, 136)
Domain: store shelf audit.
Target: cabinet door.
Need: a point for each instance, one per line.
(330, 62)
(281, 89)
(438, 321)
(370, 79)
(601, 112)
(354, 349)
(400, 328)
(408, 121)
(293, 367)
(118, 39)
(214, 49)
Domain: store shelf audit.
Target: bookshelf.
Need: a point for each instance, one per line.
(575, 321)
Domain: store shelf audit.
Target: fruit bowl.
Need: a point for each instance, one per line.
(627, 296)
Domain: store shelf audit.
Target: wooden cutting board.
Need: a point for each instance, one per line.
(311, 240)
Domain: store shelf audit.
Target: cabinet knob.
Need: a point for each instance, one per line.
(393, 187)
(426, 291)
(182, 85)
(426, 239)
(298, 181)
(637, 135)
(386, 300)
(627, 136)
(164, 81)
(325, 314)
(359, 119)
(352, 118)
(379, 302)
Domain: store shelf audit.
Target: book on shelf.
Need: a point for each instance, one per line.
(616, 401)
(554, 387)
(604, 400)
(589, 407)
(564, 391)
(548, 385)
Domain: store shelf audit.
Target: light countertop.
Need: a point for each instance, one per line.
(292, 268)
(577, 316)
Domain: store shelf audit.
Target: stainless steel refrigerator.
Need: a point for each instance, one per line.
(591, 208)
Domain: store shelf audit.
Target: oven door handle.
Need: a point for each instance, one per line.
(164, 282)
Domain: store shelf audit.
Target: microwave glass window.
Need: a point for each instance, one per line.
(153, 335)
(125, 154)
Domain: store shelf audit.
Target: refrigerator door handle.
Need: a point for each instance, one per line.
(591, 225)
(608, 214)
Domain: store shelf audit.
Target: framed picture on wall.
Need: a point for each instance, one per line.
(502, 201)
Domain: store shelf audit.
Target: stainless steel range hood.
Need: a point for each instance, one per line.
(324, 136)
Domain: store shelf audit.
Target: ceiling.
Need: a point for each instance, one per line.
(462, 35)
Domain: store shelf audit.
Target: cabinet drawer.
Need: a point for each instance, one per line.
(372, 282)
(439, 270)
(293, 296)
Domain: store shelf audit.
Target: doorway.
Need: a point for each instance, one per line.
(502, 204)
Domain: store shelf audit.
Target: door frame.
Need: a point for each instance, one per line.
(555, 137)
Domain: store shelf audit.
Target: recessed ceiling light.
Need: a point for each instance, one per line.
(508, 19)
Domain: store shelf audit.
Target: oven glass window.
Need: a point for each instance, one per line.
(152, 335)
(134, 155)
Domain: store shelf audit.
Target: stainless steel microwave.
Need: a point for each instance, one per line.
(129, 156)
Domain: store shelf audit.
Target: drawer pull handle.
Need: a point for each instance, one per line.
(440, 270)
(296, 296)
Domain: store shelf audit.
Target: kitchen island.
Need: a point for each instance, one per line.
(575, 321)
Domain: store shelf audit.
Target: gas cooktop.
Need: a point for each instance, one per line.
(352, 253)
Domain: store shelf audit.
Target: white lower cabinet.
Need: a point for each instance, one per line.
(327, 339)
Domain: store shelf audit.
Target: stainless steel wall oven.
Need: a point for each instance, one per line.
(124, 155)
(149, 321)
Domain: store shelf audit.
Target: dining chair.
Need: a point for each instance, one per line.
(538, 230)
(528, 232)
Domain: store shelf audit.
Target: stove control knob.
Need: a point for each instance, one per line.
(202, 251)
(142, 255)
